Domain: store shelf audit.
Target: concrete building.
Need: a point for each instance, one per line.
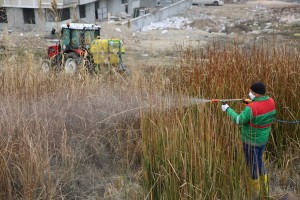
(39, 15)
(29, 15)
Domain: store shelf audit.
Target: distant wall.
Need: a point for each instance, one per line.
(82, 2)
(115, 7)
(155, 3)
(159, 15)
(133, 4)
(15, 18)
(90, 13)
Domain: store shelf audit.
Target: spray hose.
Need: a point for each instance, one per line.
(287, 122)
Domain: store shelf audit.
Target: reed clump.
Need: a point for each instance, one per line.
(195, 152)
(66, 136)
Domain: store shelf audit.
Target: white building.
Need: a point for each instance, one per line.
(38, 15)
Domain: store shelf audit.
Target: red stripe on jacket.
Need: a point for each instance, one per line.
(257, 126)
(262, 107)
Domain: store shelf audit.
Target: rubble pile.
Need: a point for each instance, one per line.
(256, 19)
(176, 23)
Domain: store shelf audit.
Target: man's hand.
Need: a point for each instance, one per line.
(225, 107)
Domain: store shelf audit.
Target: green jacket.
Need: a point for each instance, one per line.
(255, 120)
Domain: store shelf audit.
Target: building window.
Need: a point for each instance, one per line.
(29, 17)
(61, 15)
(96, 9)
(125, 3)
(3, 15)
(82, 11)
(65, 14)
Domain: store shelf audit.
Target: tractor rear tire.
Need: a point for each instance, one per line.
(46, 65)
(71, 63)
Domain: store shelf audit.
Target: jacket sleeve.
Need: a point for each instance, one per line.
(242, 118)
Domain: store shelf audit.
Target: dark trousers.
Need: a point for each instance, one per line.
(254, 159)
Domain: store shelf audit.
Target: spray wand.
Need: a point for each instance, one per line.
(197, 101)
(245, 101)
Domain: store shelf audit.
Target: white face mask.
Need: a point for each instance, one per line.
(251, 95)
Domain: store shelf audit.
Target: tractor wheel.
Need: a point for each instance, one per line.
(46, 65)
(71, 63)
(216, 3)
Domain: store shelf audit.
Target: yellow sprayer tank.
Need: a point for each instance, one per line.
(106, 51)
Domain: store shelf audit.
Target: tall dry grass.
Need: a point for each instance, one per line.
(195, 152)
(66, 137)
(112, 137)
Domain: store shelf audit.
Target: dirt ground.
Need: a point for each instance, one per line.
(260, 21)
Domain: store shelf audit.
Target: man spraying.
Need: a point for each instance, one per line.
(255, 121)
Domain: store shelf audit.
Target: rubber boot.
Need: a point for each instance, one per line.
(265, 183)
(255, 188)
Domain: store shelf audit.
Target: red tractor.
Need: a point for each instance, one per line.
(80, 45)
